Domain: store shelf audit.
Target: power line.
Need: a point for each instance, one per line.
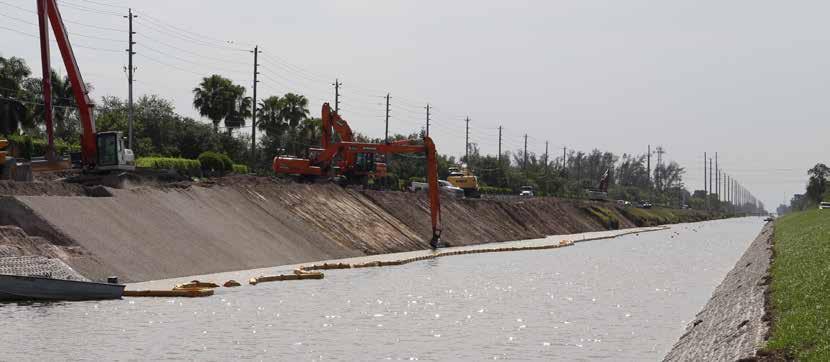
(200, 55)
(84, 8)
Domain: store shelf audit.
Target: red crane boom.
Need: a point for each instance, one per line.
(48, 9)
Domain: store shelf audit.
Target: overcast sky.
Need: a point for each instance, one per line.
(747, 79)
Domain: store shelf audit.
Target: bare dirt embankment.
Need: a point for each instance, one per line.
(235, 223)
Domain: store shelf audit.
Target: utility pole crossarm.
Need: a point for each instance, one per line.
(467, 143)
(130, 69)
(256, 52)
(337, 85)
(386, 133)
(427, 130)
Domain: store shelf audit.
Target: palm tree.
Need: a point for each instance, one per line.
(294, 109)
(310, 132)
(269, 119)
(214, 99)
(239, 110)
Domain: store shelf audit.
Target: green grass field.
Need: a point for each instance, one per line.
(801, 286)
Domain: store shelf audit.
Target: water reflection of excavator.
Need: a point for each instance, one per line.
(354, 162)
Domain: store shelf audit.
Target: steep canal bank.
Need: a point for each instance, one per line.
(732, 326)
(163, 231)
(626, 298)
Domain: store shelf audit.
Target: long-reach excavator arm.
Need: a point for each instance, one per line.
(100, 151)
(48, 9)
(344, 153)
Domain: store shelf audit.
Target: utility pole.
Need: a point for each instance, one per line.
(130, 69)
(386, 134)
(657, 175)
(728, 190)
(711, 179)
(564, 155)
(500, 128)
(717, 176)
(525, 161)
(253, 112)
(705, 189)
(648, 165)
(467, 143)
(337, 85)
(427, 133)
(546, 158)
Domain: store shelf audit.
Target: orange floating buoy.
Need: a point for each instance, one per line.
(195, 284)
(231, 284)
(185, 293)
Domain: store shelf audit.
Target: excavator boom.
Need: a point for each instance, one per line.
(48, 9)
(346, 150)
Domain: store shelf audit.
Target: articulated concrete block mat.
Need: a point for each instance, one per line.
(731, 325)
(345, 216)
(151, 233)
(473, 221)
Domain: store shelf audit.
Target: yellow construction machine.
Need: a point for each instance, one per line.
(10, 168)
(461, 177)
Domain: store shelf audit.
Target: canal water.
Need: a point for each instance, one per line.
(627, 298)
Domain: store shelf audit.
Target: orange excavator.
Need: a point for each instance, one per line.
(352, 162)
(100, 151)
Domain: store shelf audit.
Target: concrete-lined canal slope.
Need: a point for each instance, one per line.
(732, 325)
(163, 231)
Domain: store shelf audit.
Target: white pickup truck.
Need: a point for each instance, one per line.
(444, 185)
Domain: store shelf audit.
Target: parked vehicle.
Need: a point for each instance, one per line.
(623, 203)
(645, 204)
(449, 188)
(443, 185)
(416, 186)
(824, 205)
(526, 191)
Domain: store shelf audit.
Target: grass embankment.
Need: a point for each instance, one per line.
(800, 287)
(662, 216)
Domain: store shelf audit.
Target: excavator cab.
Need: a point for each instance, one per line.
(112, 154)
(365, 162)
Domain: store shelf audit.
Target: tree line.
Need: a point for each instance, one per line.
(817, 190)
(286, 126)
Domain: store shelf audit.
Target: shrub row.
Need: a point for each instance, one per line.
(169, 163)
(208, 164)
(240, 169)
(27, 147)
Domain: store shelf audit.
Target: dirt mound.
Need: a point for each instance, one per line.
(16, 242)
(471, 221)
(44, 188)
